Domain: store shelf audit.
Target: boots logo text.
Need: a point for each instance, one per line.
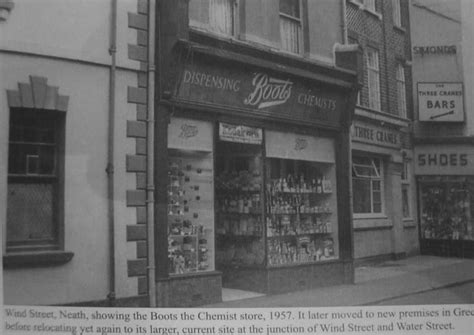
(188, 131)
(268, 91)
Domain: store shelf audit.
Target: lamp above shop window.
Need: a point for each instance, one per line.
(5, 7)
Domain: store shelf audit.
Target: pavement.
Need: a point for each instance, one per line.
(373, 284)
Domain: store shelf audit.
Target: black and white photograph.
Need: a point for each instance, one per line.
(269, 166)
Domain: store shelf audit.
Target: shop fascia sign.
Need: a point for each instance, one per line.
(444, 160)
(241, 134)
(440, 102)
(259, 92)
(371, 134)
(434, 50)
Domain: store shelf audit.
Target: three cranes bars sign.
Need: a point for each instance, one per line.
(440, 102)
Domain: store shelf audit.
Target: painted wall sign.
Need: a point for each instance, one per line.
(440, 102)
(434, 50)
(368, 133)
(241, 134)
(444, 160)
(276, 96)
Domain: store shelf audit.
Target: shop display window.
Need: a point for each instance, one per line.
(447, 208)
(301, 206)
(299, 214)
(190, 212)
(239, 201)
(190, 197)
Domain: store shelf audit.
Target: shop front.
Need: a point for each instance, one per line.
(445, 177)
(383, 191)
(257, 182)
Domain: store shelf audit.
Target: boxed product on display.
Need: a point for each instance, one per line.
(298, 213)
(189, 228)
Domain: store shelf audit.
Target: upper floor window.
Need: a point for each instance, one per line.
(290, 25)
(401, 91)
(221, 16)
(397, 17)
(373, 75)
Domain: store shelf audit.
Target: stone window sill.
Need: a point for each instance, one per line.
(371, 222)
(36, 259)
(373, 13)
(400, 29)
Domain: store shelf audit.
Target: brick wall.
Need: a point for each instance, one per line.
(393, 45)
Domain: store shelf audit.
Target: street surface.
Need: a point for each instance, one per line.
(460, 294)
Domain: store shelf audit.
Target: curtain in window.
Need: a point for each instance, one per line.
(221, 16)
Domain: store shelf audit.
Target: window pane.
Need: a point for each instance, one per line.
(30, 212)
(290, 7)
(376, 185)
(361, 195)
(377, 207)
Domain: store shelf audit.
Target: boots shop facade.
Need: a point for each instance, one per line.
(256, 165)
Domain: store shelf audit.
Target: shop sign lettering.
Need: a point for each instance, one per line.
(376, 135)
(188, 131)
(440, 102)
(268, 91)
(436, 159)
(442, 159)
(241, 134)
(211, 81)
(273, 95)
(435, 50)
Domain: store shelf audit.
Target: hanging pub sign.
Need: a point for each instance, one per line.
(263, 93)
(440, 102)
(240, 134)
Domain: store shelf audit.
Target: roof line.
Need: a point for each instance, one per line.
(435, 12)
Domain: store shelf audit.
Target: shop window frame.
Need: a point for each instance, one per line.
(379, 176)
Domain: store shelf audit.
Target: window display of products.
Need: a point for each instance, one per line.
(239, 204)
(190, 212)
(299, 212)
(447, 208)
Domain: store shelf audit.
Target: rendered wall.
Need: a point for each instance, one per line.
(67, 42)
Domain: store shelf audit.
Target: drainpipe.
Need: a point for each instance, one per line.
(149, 146)
(110, 154)
(344, 22)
